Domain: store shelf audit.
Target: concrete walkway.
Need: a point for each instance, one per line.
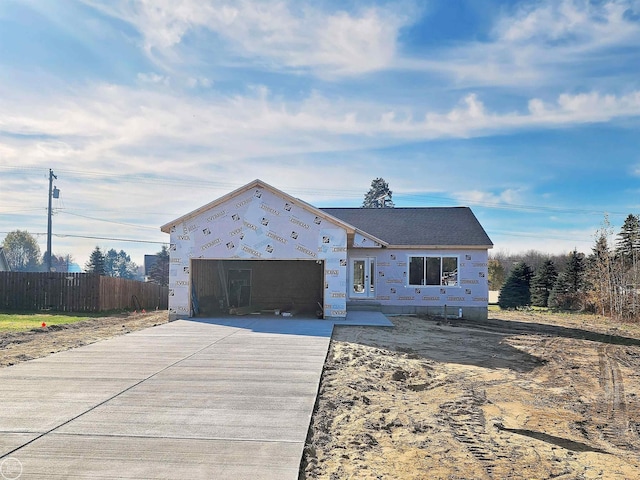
(209, 399)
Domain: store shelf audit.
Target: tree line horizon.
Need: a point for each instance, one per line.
(605, 281)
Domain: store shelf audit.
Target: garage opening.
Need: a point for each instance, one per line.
(257, 285)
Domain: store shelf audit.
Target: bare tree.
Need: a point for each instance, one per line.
(613, 275)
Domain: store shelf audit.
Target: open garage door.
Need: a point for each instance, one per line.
(286, 285)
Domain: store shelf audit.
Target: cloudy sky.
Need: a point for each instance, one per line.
(526, 111)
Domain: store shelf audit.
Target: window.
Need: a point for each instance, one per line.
(433, 271)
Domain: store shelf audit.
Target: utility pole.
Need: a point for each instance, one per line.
(53, 193)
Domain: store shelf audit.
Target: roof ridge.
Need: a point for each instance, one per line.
(391, 208)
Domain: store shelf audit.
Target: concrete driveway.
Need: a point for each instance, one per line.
(214, 399)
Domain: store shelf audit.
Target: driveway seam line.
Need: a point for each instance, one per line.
(171, 437)
(66, 422)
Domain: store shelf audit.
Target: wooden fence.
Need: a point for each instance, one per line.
(77, 292)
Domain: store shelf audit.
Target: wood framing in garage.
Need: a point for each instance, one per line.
(264, 284)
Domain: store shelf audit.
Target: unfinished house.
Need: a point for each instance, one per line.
(260, 249)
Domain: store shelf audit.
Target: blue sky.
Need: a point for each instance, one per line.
(526, 111)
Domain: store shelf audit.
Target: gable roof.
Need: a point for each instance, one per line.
(425, 227)
(260, 184)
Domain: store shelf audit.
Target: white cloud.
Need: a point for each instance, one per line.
(358, 44)
(125, 123)
(584, 108)
(153, 78)
(508, 196)
(53, 148)
(541, 43)
(570, 23)
(276, 32)
(199, 82)
(7, 152)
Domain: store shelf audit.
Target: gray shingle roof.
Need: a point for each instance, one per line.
(429, 226)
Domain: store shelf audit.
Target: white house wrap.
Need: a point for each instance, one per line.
(258, 244)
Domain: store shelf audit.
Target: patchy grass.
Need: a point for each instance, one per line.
(20, 322)
(572, 319)
(494, 307)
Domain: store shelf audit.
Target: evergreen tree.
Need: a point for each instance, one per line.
(160, 270)
(575, 271)
(378, 196)
(628, 241)
(568, 293)
(119, 264)
(601, 266)
(515, 291)
(96, 262)
(560, 296)
(542, 283)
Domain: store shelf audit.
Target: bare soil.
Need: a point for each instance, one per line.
(521, 396)
(39, 342)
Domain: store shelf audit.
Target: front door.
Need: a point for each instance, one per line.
(363, 278)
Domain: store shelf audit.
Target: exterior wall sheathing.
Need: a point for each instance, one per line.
(258, 225)
(394, 294)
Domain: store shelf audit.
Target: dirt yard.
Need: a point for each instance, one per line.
(39, 342)
(522, 396)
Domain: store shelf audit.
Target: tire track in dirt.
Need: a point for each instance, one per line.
(617, 431)
(427, 400)
(468, 426)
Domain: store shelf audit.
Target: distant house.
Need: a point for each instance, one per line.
(4, 264)
(260, 246)
(149, 262)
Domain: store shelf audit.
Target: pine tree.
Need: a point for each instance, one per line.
(560, 296)
(160, 270)
(119, 264)
(515, 291)
(378, 196)
(601, 265)
(628, 241)
(96, 262)
(575, 271)
(542, 283)
(568, 293)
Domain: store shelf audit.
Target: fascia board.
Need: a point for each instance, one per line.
(440, 247)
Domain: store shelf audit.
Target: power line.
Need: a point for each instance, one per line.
(414, 198)
(496, 232)
(538, 236)
(113, 239)
(108, 221)
(64, 235)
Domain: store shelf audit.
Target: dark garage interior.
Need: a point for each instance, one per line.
(218, 286)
